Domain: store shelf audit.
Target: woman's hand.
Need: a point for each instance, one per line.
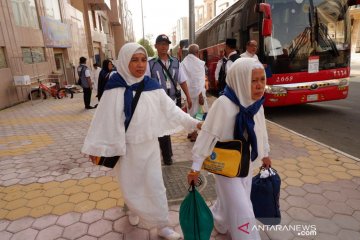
(266, 162)
(201, 99)
(189, 102)
(193, 176)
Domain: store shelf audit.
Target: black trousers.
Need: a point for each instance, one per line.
(166, 149)
(87, 96)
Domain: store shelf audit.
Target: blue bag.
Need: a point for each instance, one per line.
(196, 219)
(265, 196)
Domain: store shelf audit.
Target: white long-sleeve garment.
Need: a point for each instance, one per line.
(246, 54)
(139, 168)
(194, 72)
(233, 206)
(95, 77)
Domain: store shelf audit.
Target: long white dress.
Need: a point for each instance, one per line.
(139, 168)
(233, 207)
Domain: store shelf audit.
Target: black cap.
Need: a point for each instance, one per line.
(231, 42)
(162, 38)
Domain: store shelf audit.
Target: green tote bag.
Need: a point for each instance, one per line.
(196, 219)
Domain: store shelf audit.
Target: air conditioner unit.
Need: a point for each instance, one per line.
(22, 80)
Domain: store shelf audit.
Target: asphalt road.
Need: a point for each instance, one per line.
(334, 123)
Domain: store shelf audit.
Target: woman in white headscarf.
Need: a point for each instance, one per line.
(139, 168)
(246, 81)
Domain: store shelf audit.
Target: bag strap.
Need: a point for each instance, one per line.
(167, 72)
(135, 101)
(234, 57)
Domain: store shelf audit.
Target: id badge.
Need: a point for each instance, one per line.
(168, 85)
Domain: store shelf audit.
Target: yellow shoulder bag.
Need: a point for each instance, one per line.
(229, 158)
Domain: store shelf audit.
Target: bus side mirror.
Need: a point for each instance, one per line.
(264, 8)
(267, 22)
(266, 27)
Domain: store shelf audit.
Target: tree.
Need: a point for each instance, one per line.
(146, 44)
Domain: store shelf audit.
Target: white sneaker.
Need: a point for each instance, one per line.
(134, 220)
(168, 234)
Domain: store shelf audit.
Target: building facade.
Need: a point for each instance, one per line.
(44, 39)
(182, 29)
(209, 9)
(355, 31)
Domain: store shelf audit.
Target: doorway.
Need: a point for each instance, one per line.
(60, 68)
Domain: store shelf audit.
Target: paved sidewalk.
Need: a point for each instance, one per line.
(49, 190)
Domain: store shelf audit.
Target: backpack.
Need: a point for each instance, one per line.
(222, 73)
(234, 57)
(222, 76)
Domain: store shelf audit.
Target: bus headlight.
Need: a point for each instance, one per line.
(343, 82)
(275, 90)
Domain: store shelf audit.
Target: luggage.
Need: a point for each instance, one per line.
(196, 219)
(265, 196)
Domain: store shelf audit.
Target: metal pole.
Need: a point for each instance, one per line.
(191, 22)
(142, 18)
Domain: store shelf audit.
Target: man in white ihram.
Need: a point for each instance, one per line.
(193, 70)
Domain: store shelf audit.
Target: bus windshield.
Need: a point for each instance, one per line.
(303, 28)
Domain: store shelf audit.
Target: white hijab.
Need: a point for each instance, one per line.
(239, 78)
(125, 55)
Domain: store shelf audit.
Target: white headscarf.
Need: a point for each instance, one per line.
(125, 55)
(238, 77)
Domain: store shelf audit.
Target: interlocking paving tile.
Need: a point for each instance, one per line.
(20, 224)
(47, 182)
(100, 228)
(316, 198)
(346, 222)
(348, 235)
(92, 216)
(28, 234)
(50, 233)
(340, 207)
(326, 226)
(75, 230)
(68, 219)
(300, 214)
(44, 222)
(320, 211)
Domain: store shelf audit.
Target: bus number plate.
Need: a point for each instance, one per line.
(312, 97)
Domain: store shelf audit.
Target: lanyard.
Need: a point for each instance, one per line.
(168, 70)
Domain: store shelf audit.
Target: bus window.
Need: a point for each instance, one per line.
(221, 32)
(254, 33)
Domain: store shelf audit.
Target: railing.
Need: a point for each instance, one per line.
(35, 79)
